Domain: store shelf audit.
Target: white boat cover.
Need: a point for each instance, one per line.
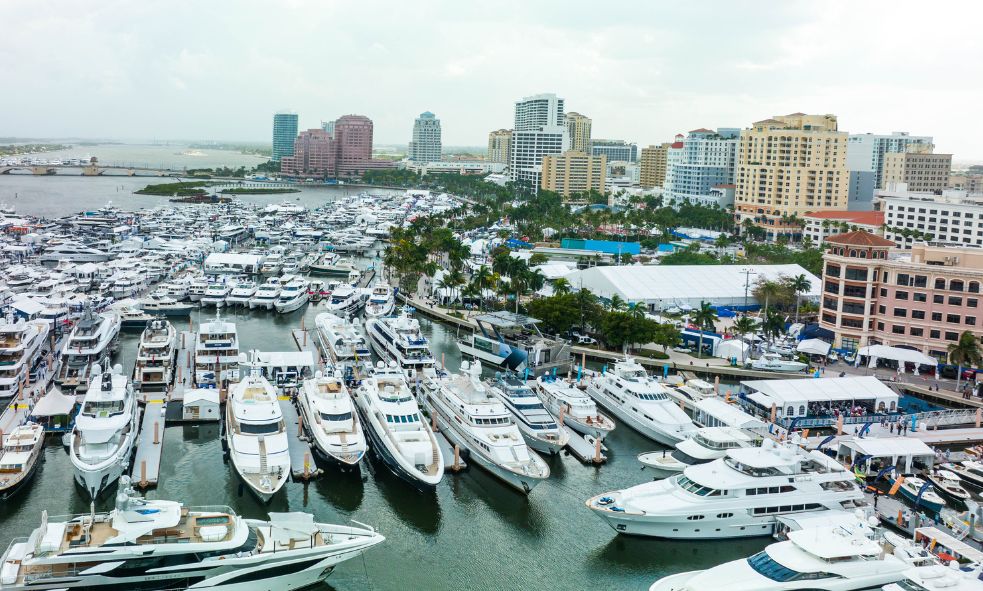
(54, 403)
(294, 526)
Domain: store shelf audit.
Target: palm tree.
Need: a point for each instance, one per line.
(767, 289)
(743, 325)
(617, 304)
(799, 284)
(636, 310)
(704, 318)
(965, 351)
(561, 286)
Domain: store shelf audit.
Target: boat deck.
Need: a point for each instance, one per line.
(302, 466)
(150, 446)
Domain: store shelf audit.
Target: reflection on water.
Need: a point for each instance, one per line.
(418, 508)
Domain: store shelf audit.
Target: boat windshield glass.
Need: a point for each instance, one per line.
(102, 407)
(697, 489)
(259, 428)
(347, 416)
(766, 566)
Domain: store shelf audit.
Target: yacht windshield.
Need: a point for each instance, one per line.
(102, 408)
(341, 417)
(259, 428)
(766, 566)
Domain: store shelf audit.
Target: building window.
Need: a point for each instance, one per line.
(940, 284)
(955, 301)
(938, 299)
(829, 319)
(921, 281)
(951, 336)
(880, 326)
(901, 295)
(897, 329)
(918, 314)
(955, 285)
(934, 334)
(971, 320)
(971, 302)
(832, 270)
(856, 274)
(936, 316)
(881, 310)
(919, 297)
(901, 312)
(974, 287)
(883, 293)
(952, 318)
(832, 287)
(916, 332)
(903, 279)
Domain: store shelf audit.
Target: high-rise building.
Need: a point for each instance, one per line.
(540, 129)
(615, 150)
(346, 151)
(704, 160)
(865, 159)
(425, 145)
(314, 153)
(954, 217)
(498, 145)
(652, 168)
(574, 172)
(919, 168)
(578, 129)
(789, 165)
(284, 134)
(353, 133)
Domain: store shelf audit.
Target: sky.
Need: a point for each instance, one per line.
(643, 71)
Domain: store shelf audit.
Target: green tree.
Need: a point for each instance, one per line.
(538, 259)
(705, 318)
(800, 284)
(617, 304)
(666, 335)
(964, 352)
(561, 286)
(767, 290)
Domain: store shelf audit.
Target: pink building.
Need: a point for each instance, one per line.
(344, 152)
(875, 293)
(315, 154)
(354, 136)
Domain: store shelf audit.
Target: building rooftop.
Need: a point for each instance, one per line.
(870, 218)
(860, 238)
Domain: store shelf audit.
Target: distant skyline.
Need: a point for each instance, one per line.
(641, 71)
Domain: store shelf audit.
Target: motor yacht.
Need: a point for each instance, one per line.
(706, 445)
(256, 436)
(159, 544)
(396, 430)
(272, 264)
(513, 342)
(333, 266)
(641, 402)
(316, 291)
(73, 253)
(474, 418)
(569, 402)
(342, 342)
(739, 495)
(215, 295)
(693, 390)
(539, 428)
(173, 289)
(936, 577)
(23, 349)
(398, 339)
(133, 318)
(381, 302)
(128, 285)
(91, 343)
(242, 292)
(216, 353)
(266, 295)
(949, 486)
(920, 493)
(346, 300)
(104, 436)
(775, 362)
(159, 304)
(293, 296)
(21, 453)
(330, 417)
(196, 289)
(154, 367)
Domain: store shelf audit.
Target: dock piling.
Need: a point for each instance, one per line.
(597, 451)
(457, 457)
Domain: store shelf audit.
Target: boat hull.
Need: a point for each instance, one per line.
(630, 419)
(21, 484)
(378, 446)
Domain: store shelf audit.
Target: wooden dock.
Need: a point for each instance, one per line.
(150, 446)
(306, 341)
(584, 451)
(302, 466)
(366, 278)
(447, 450)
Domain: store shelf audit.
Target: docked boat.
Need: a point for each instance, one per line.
(935, 577)
(641, 402)
(331, 265)
(775, 362)
(381, 302)
(157, 544)
(196, 289)
(949, 486)
(330, 417)
(399, 339)
(154, 367)
(396, 430)
(316, 291)
(91, 343)
(21, 453)
(216, 353)
(706, 445)
(256, 436)
(73, 253)
(158, 305)
(292, 297)
(919, 492)
(693, 390)
(539, 428)
(970, 472)
(575, 409)
(509, 341)
(104, 437)
(241, 293)
(266, 295)
(739, 495)
(342, 342)
(345, 300)
(23, 348)
(133, 318)
(215, 295)
(472, 417)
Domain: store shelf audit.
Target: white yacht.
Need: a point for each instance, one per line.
(266, 295)
(398, 339)
(471, 416)
(706, 445)
(832, 558)
(174, 289)
(73, 253)
(341, 341)
(693, 390)
(160, 304)
(92, 342)
(21, 452)
(157, 544)
(241, 293)
(397, 432)
(936, 577)
(23, 348)
(256, 436)
(540, 429)
(345, 300)
(197, 287)
(381, 302)
(292, 297)
(566, 400)
(272, 264)
(775, 362)
(641, 402)
(105, 431)
(330, 416)
(215, 295)
(154, 367)
(216, 353)
(740, 495)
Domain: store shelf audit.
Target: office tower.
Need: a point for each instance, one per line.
(539, 130)
(425, 145)
(578, 130)
(353, 133)
(615, 150)
(573, 172)
(865, 154)
(921, 169)
(652, 168)
(284, 134)
(699, 163)
(498, 145)
(314, 153)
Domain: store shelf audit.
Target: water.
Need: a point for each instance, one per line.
(170, 157)
(471, 533)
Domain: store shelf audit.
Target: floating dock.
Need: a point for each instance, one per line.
(447, 450)
(305, 341)
(150, 446)
(584, 451)
(302, 466)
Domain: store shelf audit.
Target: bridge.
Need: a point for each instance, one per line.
(92, 170)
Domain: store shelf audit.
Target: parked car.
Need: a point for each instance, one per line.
(581, 339)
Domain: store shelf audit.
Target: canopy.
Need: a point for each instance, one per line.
(813, 347)
(896, 354)
(732, 348)
(53, 403)
(288, 527)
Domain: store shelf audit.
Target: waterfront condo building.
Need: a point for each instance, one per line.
(314, 153)
(578, 129)
(284, 134)
(574, 172)
(652, 168)
(425, 145)
(699, 163)
(919, 168)
(922, 298)
(789, 165)
(954, 217)
(615, 150)
(498, 145)
(820, 225)
(865, 159)
(540, 130)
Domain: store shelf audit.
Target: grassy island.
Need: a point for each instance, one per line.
(175, 189)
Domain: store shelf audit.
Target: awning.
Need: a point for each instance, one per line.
(53, 403)
(897, 354)
(813, 347)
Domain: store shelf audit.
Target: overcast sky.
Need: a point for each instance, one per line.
(643, 71)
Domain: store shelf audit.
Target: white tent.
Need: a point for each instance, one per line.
(733, 348)
(53, 403)
(813, 347)
(875, 352)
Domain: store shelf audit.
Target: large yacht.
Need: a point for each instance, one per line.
(470, 416)
(21, 452)
(775, 362)
(640, 402)
(23, 347)
(256, 436)
(540, 429)
(345, 300)
(155, 544)
(833, 558)
(266, 295)
(196, 289)
(330, 416)
(242, 292)
(382, 301)
(341, 341)
(216, 353)
(397, 432)
(398, 339)
(292, 297)
(740, 495)
(105, 431)
(73, 253)
(567, 400)
(505, 340)
(154, 367)
(160, 304)
(706, 445)
(215, 295)
(92, 342)
(936, 577)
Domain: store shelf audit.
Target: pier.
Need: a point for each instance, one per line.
(305, 341)
(453, 461)
(302, 466)
(150, 445)
(581, 449)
